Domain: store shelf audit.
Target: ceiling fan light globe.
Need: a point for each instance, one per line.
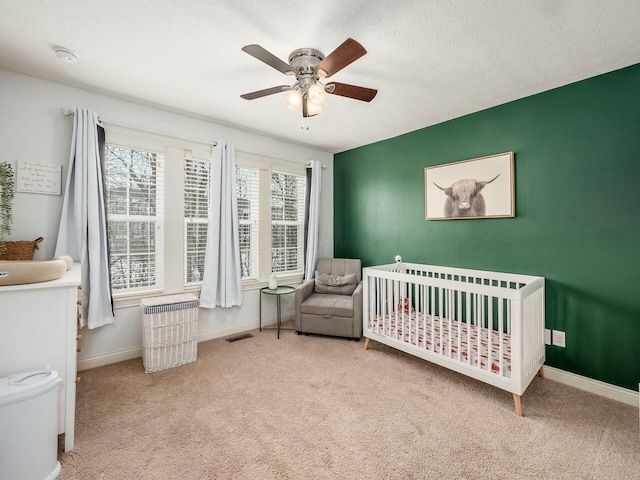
(293, 100)
(316, 95)
(313, 109)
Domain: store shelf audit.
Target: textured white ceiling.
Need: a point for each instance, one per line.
(431, 61)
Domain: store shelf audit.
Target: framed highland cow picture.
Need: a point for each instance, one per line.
(476, 188)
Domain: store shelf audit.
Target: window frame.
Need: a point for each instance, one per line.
(254, 220)
(284, 222)
(155, 220)
(266, 165)
(174, 150)
(192, 220)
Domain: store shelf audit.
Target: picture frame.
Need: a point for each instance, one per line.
(480, 187)
(39, 177)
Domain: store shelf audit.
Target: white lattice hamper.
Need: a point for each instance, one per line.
(169, 331)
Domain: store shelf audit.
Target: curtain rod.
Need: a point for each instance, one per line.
(322, 165)
(67, 112)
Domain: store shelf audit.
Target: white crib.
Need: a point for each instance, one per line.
(487, 325)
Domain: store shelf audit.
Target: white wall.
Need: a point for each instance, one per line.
(32, 129)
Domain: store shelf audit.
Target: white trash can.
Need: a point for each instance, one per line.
(29, 426)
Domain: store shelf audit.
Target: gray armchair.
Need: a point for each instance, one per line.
(331, 303)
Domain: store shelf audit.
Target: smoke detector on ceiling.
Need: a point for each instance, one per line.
(65, 54)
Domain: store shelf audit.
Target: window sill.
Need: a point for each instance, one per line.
(127, 300)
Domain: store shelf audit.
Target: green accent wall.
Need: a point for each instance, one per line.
(577, 223)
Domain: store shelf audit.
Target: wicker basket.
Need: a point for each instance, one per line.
(169, 331)
(19, 250)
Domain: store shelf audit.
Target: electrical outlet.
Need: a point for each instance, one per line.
(558, 338)
(547, 336)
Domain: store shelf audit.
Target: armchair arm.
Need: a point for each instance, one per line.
(303, 291)
(357, 311)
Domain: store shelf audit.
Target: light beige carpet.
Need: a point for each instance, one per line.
(309, 407)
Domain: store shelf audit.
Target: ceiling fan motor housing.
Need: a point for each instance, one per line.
(305, 60)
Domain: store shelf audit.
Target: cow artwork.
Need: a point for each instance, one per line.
(464, 198)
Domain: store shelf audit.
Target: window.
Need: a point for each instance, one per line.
(197, 181)
(287, 222)
(247, 182)
(158, 231)
(135, 217)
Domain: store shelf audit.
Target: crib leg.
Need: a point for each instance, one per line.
(366, 342)
(516, 401)
(541, 372)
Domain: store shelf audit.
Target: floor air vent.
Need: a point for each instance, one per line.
(239, 337)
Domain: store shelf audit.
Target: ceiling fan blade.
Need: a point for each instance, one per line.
(347, 53)
(269, 58)
(351, 91)
(265, 92)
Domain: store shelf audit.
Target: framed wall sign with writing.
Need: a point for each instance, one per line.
(36, 177)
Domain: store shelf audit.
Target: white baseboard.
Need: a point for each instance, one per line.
(122, 355)
(603, 389)
(225, 332)
(109, 358)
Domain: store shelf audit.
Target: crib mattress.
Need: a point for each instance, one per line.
(456, 340)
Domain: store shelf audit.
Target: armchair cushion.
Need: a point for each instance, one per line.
(335, 284)
(328, 305)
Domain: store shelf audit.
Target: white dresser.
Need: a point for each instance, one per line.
(39, 328)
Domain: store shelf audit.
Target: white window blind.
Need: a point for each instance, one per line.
(247, 183)
(135, 212)
(287, 222)
(197, 187)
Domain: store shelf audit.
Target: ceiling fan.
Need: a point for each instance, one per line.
(309, 65)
